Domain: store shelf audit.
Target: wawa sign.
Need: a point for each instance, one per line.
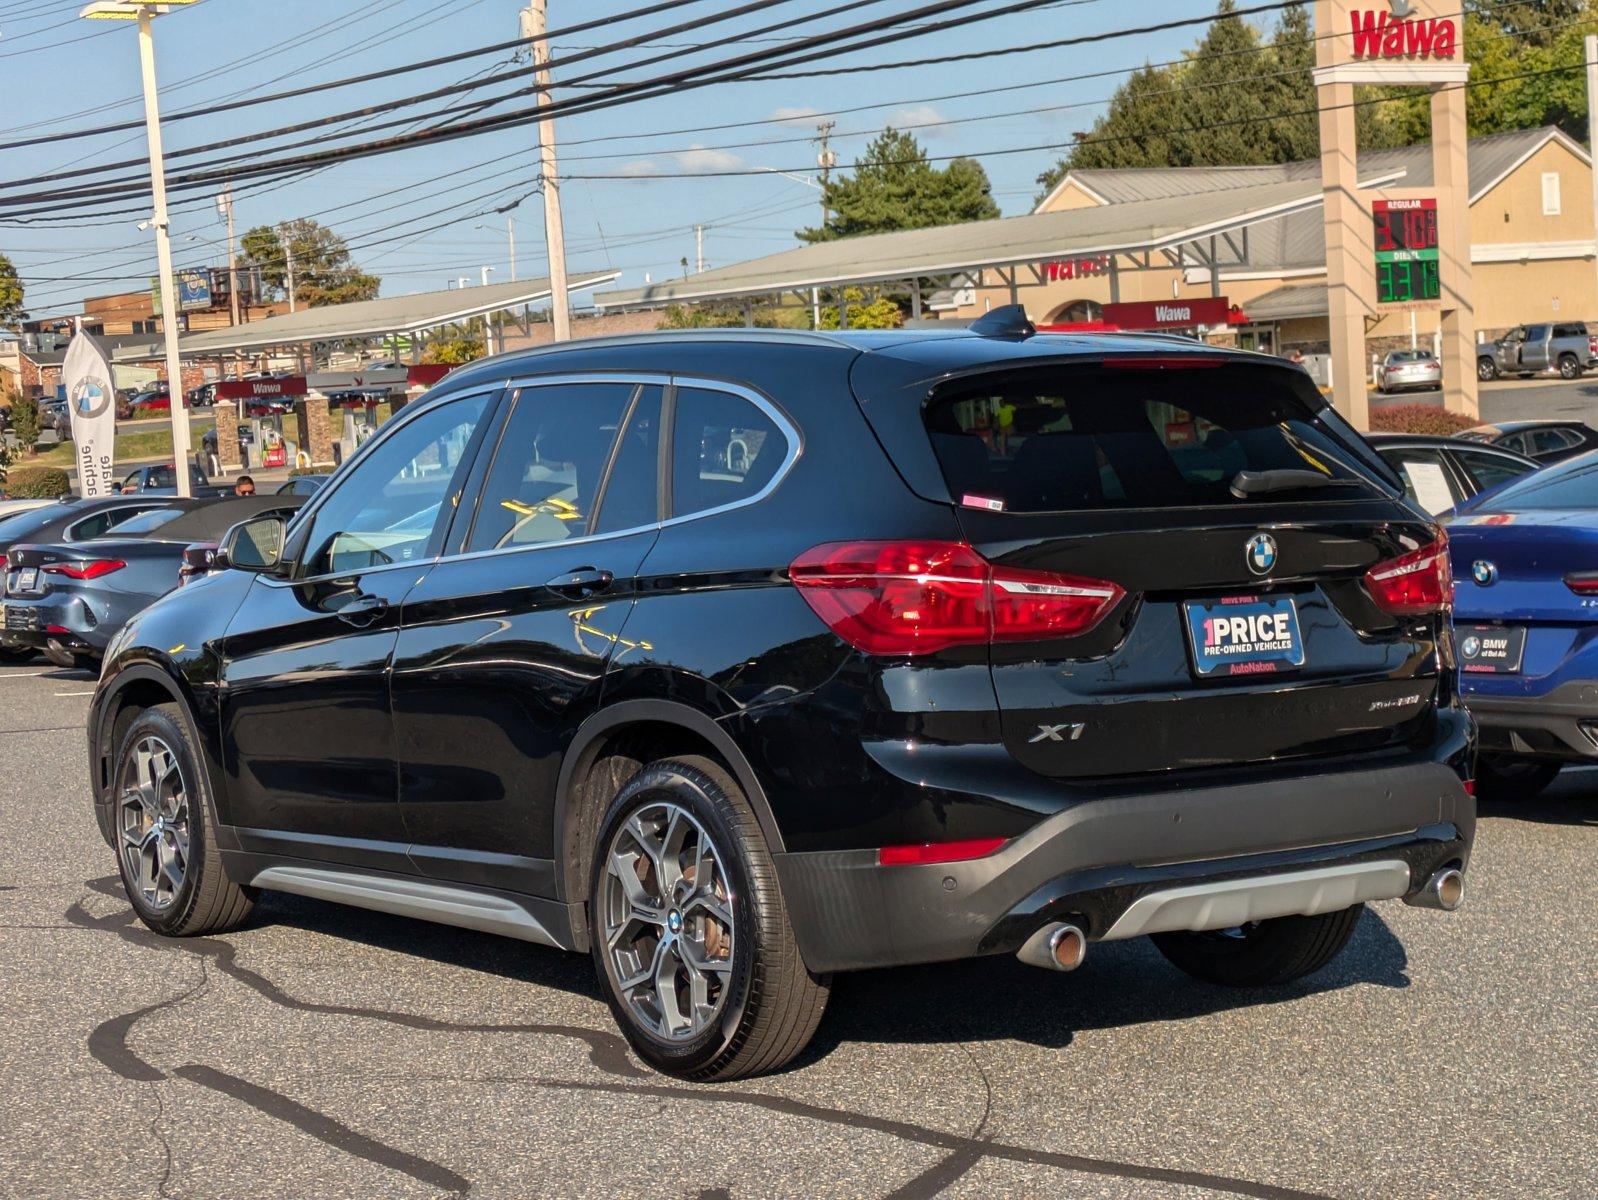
(1397, 32)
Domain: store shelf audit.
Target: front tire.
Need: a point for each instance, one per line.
(1486, 370)
(163, 831)
(1500, 778)
(690, 934)
(1262, 954)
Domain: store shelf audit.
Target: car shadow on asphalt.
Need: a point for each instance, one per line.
(1121, 984)
(1572, 799)
(987, 999)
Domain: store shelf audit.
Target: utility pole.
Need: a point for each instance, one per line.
(510, 232)
(826, 160)
(224, 203)
(535, 25)
(163, 251)
(1592, 119)
(699, 249)
(288, 262)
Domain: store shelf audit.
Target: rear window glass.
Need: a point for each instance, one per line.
(149, 522)
(1559, 487)
(1099, 437)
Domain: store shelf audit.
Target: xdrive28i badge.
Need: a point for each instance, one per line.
(1260, 553)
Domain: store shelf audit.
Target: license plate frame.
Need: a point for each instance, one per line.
(1213, 653)
(1487, 658)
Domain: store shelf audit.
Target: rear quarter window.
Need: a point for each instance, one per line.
(1096, 436)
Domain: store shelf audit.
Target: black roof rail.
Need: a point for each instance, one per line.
(1007, 321)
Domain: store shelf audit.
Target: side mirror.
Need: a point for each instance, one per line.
(253, 545)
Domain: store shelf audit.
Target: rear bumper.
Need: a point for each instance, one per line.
(1091, 863)
(68, 620)
(1553, 726)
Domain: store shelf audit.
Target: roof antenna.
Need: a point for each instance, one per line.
(1007, 321)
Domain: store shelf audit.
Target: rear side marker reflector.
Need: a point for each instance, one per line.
(922, 853)
(1416, 583)
(1584, 583)
(906, 598)
(1470, 786)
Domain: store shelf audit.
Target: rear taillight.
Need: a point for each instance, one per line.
(89, 570)
(1415, 583)
(1583, 583)
(919, 597)
(1592, 346)
(3, 561)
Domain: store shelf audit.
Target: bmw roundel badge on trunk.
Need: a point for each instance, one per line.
(1261, 553)
(1484, 573)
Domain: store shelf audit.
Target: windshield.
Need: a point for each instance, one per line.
(1137, 436)
(1572, 484)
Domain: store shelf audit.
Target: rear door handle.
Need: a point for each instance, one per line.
(363, 610)
(584, 581)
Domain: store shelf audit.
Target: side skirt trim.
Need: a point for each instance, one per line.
(463, 907)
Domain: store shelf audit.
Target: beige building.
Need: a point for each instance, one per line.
(1532, 247)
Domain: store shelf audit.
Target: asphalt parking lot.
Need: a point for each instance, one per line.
(323, 1051)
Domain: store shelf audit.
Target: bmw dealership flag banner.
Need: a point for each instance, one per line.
(92, 402)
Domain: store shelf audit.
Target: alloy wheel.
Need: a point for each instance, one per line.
(668, 921)
(153, 819)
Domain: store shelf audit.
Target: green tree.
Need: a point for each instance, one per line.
(24, 421)
(881, 313)
(720, 314)
(894, 187)
(11, 310)
(323, 271)
(455, 350)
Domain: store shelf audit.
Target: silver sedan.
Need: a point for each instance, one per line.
(1409, 370)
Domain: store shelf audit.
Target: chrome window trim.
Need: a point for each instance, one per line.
(779, 418)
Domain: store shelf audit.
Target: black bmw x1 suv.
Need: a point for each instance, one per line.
(736, 659)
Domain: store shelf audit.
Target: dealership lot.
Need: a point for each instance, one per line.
(324, 1051)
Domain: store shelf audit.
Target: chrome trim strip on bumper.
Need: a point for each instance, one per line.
(1230, 902)
(409, 898)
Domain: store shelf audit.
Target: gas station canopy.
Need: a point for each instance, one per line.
(1185, 228)
(364, 318)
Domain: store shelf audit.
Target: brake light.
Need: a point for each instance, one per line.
(1583, 583)
(1415, 583)
(1166, 362)
(3, 561)
(89, 570)
(919, 597)
(937, 852)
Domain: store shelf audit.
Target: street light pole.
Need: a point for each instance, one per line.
(163, 251)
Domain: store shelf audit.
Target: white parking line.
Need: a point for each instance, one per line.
(90, 692)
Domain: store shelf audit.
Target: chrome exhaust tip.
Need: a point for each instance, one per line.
(1444, 890)
(1058, 947)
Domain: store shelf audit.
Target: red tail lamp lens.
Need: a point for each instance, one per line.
(907, 598)
(937, 852)
(1416, 583)
(88, 570)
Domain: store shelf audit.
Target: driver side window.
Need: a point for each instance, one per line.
(387, 509)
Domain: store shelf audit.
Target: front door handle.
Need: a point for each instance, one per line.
(584, 581)
(363, 610)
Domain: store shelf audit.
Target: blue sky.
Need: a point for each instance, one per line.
(63, 73)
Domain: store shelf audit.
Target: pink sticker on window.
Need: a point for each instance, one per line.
(986, 502)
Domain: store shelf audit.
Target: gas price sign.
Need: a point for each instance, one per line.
(1406, 252)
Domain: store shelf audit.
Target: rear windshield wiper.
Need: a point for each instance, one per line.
(1257, 483)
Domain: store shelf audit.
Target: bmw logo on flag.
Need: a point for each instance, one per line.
(1484, 573)
(1261, 553)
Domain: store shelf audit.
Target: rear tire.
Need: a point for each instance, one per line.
(164, 833)
(690, 934)
(1569, 368)
(1501, 778)
(1263, 954)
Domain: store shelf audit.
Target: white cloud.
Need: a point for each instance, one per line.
(704, 158)
(922, 120)
(642, 168)
(793, 116)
